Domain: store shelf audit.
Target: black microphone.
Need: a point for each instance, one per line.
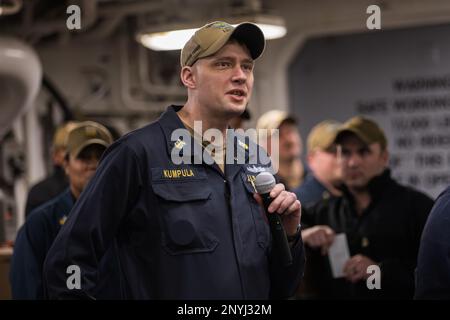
(264, 183)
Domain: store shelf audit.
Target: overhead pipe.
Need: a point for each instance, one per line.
(12, 8)
(147, 85)
(124, 75)
(91, 11)
(89, 17)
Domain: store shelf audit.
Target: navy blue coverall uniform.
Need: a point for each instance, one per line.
(186, 231)
(46, 189)
(433, 263)
(34, 240)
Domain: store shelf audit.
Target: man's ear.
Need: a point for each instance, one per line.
(58, 156)
(65, 164)
(187, 77)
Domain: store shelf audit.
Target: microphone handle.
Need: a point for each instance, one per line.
(279, 238)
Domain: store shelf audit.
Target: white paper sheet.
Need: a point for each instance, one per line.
(338, 255)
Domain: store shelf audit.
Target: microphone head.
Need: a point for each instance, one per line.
(264, 182)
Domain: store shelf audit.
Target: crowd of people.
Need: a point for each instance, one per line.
(140, 226)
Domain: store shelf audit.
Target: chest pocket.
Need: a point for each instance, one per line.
(185, 214)
(261, 224)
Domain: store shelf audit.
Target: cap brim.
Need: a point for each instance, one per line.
(87, 143)
(252, 36)
(356, 132)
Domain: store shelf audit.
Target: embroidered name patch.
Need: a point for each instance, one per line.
(177, 173)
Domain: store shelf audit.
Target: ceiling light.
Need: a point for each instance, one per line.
(176, 36)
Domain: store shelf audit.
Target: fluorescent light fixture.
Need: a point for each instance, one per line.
(175, 39)
(164, 41)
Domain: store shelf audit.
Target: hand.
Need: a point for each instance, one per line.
(319, 237)
(355, 268)
(286, 204)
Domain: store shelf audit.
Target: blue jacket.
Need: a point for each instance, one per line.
(433, 264)
(185, 231)
(311, 191)
(34, 240)
(32, 244)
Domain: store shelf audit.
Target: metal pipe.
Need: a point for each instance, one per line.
(151, 88)
(11, 9)
(133, 8)
(124, 75)
(89, 16)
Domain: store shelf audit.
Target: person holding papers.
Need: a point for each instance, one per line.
(365, 243)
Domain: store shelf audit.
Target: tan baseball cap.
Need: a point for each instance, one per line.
(365, 129)
(87, 133)
(213, 36)
(323, 135)
(60, 136)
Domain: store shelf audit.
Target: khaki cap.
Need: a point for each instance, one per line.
(213, 36)
(60, 136)
(365, 129)
(87, 133)
(323, 135)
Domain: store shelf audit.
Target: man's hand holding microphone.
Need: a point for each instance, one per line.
(283, 212)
